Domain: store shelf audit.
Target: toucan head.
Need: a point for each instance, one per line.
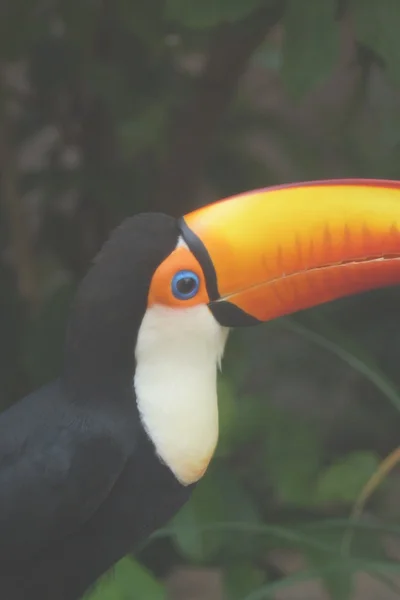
(174, 288)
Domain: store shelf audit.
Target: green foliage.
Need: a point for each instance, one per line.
(339, 569)
(240, 417)
(293, 455)
(241, 579)
(344, 480)
(128, 581)
(119, 88)
(219, 498)
(336, 342)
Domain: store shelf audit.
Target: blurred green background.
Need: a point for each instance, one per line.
(112, 107)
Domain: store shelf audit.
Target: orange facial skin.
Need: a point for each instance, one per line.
(279, 250)
(160, 289)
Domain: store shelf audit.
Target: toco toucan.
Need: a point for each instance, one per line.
(94, 462)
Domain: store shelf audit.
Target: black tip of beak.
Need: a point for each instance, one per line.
(230, 315)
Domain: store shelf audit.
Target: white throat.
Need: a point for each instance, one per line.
(177, 355)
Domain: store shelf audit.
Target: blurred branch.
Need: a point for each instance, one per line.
(193, 130)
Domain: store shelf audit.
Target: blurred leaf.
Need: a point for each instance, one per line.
(209, 13)
(283, 536)
(339, 587)
(366, 525)
(240, 417)
(375, 568)
(227, 416)
(335, 341)
(128, 580)
(240, 579)
(384, 468)
(293, 454)
(240, 507)
(377, 26)
(366, 544)
(377, 478)
(204, 508)
(344, 480)
(368, 540)
(218, 497)
(311, 44)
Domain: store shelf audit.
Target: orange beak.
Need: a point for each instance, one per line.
(276, 251)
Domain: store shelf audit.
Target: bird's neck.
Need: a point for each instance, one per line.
(110, 305)
(177, 356)
(99, 359)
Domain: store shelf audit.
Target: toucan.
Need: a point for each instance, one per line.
(94, 462)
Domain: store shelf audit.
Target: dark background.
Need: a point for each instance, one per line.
(111, 107)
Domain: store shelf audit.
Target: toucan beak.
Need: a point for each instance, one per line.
(276, 251)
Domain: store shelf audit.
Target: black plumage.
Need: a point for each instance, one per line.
(80, 483)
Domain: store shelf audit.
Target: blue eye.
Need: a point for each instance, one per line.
(185, 285)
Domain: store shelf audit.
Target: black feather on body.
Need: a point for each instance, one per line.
(80, 483)
(144, 496)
